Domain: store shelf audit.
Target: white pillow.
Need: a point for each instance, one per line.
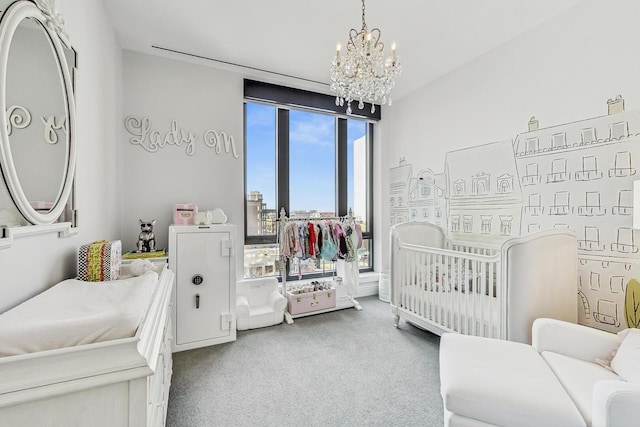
(626, 362)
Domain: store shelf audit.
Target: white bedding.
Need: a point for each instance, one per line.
(74, 312)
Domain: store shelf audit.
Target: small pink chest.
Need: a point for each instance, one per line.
(311, 301)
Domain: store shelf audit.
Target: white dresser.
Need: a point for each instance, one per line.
(203, 259)
(123, 382)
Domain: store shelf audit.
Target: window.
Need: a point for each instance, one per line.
(485, 227)
(588, 135)
(505, 225)
(467, 223)
(310, 161)
(455, 223)
(532, 145)
(618, 130)
(558, 140)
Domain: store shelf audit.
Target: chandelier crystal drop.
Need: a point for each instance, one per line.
(362, 73)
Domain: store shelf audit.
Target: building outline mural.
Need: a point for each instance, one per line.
(576, 176)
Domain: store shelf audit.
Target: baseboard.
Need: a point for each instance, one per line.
(368, 284)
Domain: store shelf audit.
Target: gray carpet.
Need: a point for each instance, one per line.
(345, 368)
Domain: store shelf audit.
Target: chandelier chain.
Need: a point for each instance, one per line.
(364, 24)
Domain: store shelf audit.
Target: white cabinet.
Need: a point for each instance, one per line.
(123, 382)
(203, 260)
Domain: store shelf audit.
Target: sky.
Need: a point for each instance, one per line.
(312, 156)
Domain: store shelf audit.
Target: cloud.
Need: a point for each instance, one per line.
(312, 129)
(261, 117)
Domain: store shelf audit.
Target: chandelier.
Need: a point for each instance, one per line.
(362, 73)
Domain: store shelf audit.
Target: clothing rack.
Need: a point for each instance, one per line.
(343, 302)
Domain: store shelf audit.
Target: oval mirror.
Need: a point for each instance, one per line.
(37, 144)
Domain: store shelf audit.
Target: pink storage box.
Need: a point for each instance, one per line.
(311, 301)
(184, 213)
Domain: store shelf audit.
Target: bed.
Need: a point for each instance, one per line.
(481, 289)
(89, 353)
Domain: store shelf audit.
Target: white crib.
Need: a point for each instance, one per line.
(487, 290)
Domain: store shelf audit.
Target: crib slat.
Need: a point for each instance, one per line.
(433, 282)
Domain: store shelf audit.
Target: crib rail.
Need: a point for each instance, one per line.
(472, 247)
(453, 289)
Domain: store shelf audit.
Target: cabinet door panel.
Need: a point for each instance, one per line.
(199, 307)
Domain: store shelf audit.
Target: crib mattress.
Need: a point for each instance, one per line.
(74, 312)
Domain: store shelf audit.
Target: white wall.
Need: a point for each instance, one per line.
(562, 71)
(198, 98)
(33, 264)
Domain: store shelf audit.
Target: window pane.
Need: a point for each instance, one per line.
(261, 169)
(364, 254)
(261, 260)
(317, 266)
(357, 169)
(312, 164)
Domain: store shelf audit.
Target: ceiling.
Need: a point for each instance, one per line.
(298, 37)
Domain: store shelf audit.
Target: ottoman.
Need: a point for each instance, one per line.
(493, 382)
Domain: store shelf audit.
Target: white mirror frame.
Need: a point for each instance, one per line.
(9, 22)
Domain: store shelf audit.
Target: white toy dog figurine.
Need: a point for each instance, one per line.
(146, 238)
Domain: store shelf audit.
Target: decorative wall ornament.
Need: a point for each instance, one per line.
(153, 139)
(53, 19)
(50, 127)
(213, 139)
(632, 304)
(17, 117)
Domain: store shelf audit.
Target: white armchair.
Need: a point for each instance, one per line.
(571, 351)
(258, 303)
(554, 382)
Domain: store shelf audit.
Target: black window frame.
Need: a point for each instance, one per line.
(285, 99)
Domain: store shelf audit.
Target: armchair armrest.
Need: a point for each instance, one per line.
(615, 404)
(569, 339)
(276, 300)
(242, 305)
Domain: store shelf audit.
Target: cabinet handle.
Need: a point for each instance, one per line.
(197, 300)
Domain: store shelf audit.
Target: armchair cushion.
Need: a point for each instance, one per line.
(626, 362)
(578, 378)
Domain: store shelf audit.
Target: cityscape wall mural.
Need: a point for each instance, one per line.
(578, 176)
